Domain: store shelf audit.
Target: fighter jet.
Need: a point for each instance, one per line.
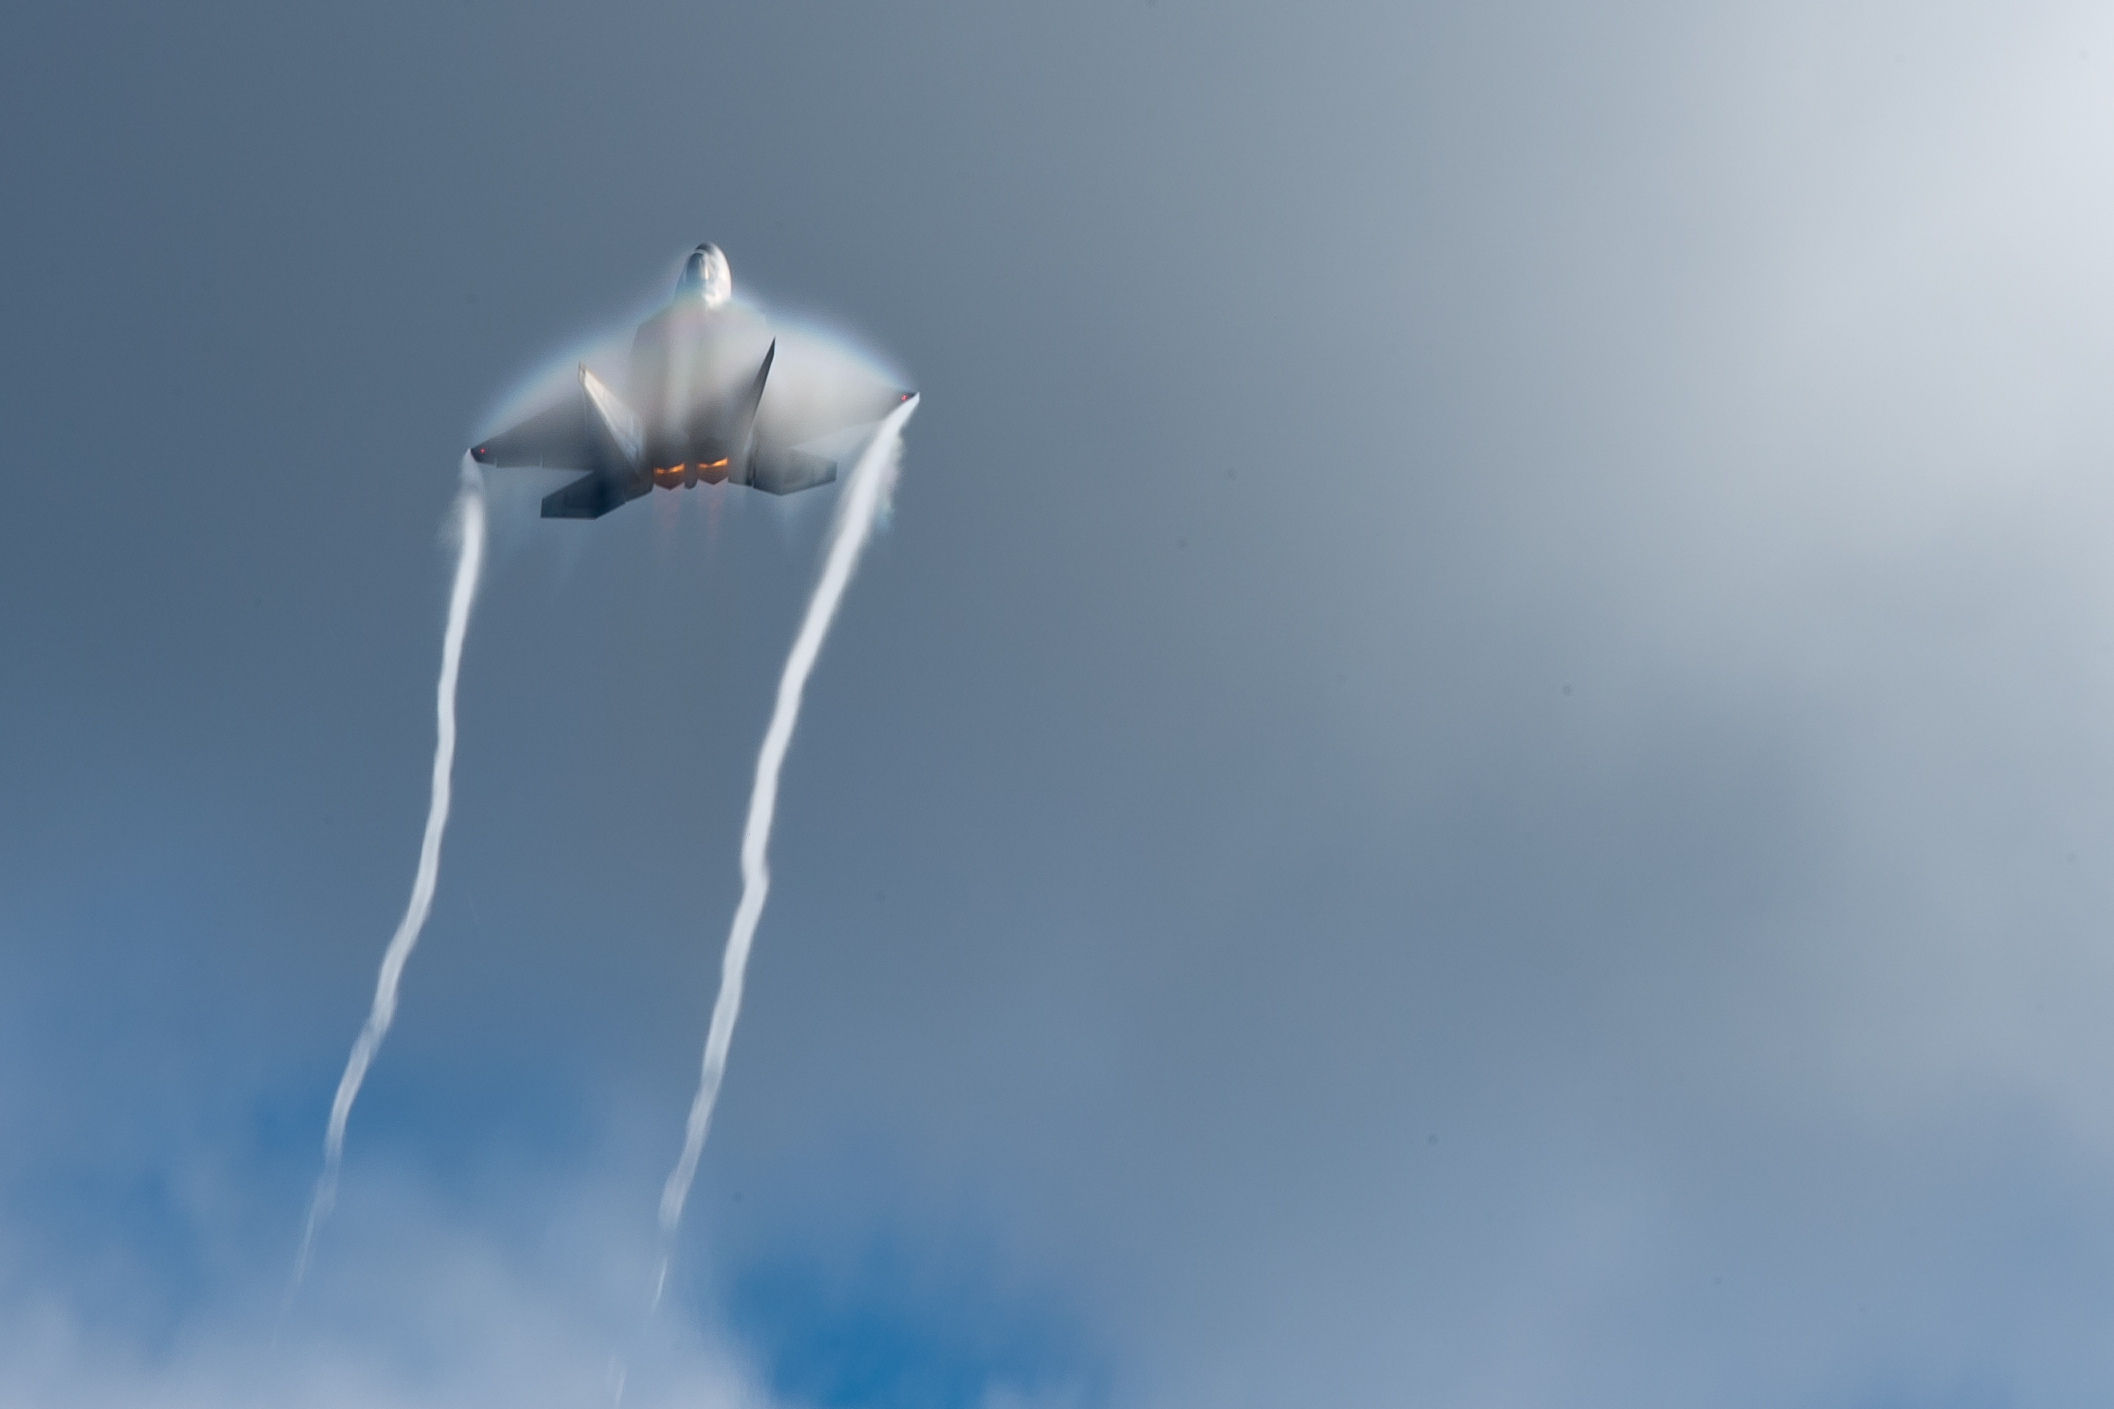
(692, 409)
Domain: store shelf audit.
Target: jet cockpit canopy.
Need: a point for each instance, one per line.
(706, 277)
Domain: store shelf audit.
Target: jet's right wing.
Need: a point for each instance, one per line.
(803, 409)
(776, 471)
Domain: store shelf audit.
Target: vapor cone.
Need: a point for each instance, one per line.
(864, 498)
(469, 562)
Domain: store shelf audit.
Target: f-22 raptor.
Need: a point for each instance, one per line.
(693, 409)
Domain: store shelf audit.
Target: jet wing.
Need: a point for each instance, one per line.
(555, 439)
(589, 430)
(804, 405)
(776, 471)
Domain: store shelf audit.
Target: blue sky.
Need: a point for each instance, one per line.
(1473, 771)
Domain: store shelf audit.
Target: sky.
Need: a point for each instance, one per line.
(1476, 767)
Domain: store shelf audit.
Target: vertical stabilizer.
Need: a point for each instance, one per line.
(745, 433)
(617, 420)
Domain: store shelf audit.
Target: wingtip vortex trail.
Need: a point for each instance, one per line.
(866, 494)
(468, 521)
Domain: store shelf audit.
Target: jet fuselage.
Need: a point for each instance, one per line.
(688, 410)
(696, 376)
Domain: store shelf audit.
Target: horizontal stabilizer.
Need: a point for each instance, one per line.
(591, 496)
(789, 471)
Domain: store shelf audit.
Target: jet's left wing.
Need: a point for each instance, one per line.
(589, 430)
(554, 439)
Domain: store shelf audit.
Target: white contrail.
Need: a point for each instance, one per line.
(865, 496)
(469, 562)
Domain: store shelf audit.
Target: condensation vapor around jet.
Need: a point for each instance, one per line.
(469, 522)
